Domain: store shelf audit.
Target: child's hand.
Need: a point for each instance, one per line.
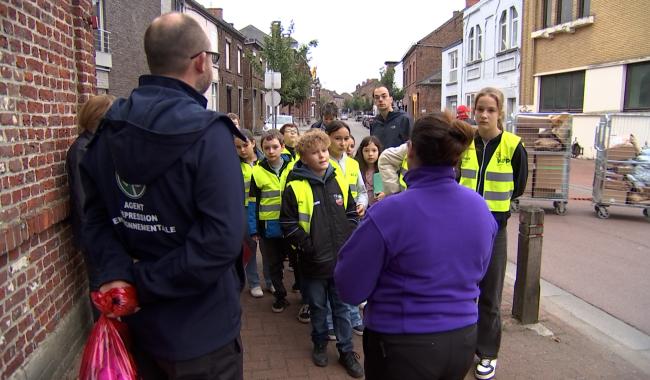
(255, 237)
(380, 196)
(361, 210)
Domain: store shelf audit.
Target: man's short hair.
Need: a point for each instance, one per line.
(314, 138)
(378, 87)
(329, 109)
(171, 40)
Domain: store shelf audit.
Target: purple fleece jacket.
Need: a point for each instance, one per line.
(418, 256)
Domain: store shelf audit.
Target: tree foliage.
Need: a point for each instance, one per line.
(283, 54)
(359, 103)
(387, 78)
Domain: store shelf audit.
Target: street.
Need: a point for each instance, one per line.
(606, 263)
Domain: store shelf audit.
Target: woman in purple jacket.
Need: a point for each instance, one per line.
(417, 258)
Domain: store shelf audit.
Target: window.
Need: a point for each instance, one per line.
(511, 106)
(564, 11)
(479, 43)
(562, 92)
(584, 8)
(469, 100)
(514, 27)
(548, 14)
(313, 92)
(238, 61)
(470, 46)
(453, 66)
(228, 99)
(637, 87)
(240, 103)
(452, 103)
(214, 96)
(503, 29)
(227, 57)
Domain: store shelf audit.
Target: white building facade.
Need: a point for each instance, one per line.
(489, 54)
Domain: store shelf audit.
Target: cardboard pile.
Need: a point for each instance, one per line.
(627, 177)
(544, 133)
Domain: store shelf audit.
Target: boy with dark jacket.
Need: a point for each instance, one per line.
(317, 216)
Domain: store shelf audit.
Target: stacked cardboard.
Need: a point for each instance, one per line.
(625, 177)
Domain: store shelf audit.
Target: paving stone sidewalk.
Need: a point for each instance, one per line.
(277, 346)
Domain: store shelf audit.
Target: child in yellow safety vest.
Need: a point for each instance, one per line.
(267, 183)
(318, 215)
(249, 156)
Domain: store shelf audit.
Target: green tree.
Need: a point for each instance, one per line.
(387, 78)
(282, 54)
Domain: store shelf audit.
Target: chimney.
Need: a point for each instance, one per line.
(218, 12)
(469, 3)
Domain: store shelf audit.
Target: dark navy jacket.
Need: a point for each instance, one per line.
(394, 131)
(163, 211)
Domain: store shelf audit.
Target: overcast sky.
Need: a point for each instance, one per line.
(355, 37)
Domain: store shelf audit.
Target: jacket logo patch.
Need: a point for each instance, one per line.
(393, 126)
(131, 191)
(338, 198)
(500, 160)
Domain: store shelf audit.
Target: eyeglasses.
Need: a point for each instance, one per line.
(213, 54)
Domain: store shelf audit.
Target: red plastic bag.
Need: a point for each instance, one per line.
(105, 356)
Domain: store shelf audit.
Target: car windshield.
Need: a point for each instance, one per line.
(282, 119)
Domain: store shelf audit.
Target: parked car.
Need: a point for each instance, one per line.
(367, 119)
(359, 117)
(344, 116)
(281, 120)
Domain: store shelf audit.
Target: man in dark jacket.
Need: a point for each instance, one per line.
(163, 211)
(392, 128)
(317, 216)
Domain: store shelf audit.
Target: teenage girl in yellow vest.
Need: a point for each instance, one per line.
(496, 166)
(267, 183)
(249, 155)
(339, 134)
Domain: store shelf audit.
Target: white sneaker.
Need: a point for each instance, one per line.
(485, 369)
(257, 292)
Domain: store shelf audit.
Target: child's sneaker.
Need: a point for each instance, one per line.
(257, 292)
(279, 305)
(358, 329)
(331, 335)
(303, 314)
(485, 369)
(350, 360)
(319, 355)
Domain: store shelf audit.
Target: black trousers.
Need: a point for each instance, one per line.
(447, 355)
(226, 363)
(489, 302)
(274, 250)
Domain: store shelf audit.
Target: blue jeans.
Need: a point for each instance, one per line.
(252, 276)
(320, 291)
(355, 317)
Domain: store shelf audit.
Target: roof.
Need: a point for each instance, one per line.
(217, 21)
(252, 33)
(433, 79)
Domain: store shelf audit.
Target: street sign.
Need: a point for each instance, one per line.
(272, 98)
(272, 80)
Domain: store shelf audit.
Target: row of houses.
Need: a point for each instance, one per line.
(585, 57)
(237, 87)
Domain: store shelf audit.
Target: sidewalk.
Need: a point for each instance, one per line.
(277, 346)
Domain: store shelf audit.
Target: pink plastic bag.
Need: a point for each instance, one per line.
(105, 356)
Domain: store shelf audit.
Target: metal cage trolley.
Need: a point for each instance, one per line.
(622, 167)
(547, 139)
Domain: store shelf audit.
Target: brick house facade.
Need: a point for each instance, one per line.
(47, 70)
(422, 64)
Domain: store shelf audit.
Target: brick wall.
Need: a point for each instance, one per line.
(424, 60)
(127, 22)
(619, 32)
(47, 69)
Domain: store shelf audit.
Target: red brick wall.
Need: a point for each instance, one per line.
(47, 69)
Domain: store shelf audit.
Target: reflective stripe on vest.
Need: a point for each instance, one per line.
(402, 173)
(247, 173)
(305, 199)
(351, 173)
(271, 187)
(498, 182)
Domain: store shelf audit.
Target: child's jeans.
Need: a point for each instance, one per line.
(355, 317)
(252, 275)
(320, 291)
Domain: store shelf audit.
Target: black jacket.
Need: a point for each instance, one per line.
(519, 170)
(319, 124)
(77, 195)
(394, 131)
(331, 224)
(164, 191)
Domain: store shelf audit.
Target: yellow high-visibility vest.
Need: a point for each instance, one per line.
(402, 173)
(305, 199)
(351, 173)
(271, 187)
(498, 182)
(247, 173)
